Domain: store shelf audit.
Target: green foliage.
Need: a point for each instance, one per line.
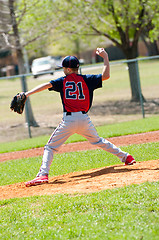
(50, 21)
(119, 21)
(127, 213)
(35, 22)
(155, 20)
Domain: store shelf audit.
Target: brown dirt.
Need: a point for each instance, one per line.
(91, 180)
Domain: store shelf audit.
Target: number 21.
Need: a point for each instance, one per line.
(71, 90)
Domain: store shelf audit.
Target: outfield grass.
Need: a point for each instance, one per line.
(119, 129)
(127, 213)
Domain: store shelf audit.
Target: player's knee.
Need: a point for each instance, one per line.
(98, 141)
(102, 142)
(50, 148)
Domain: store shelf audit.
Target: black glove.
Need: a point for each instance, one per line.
(18, 102)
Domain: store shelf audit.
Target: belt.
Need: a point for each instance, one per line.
(70, 113)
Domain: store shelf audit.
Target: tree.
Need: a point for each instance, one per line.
(17, 31)
(121, 21)
(16, 45)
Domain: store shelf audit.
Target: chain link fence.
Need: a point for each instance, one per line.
(112, 103)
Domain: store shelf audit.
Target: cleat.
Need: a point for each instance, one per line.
(37, 181)
(130, 160)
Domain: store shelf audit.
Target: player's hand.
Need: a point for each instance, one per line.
(101, 52)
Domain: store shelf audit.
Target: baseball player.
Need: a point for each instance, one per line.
(76, 92)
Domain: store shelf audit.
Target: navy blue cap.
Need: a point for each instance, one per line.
(70, 62)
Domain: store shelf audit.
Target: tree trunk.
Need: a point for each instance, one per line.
(30, 120)
(29, 117)
(134, 82)
(131, 53)
(18, 48)
(77, 47)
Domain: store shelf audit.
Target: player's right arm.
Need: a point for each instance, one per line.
(39, 88)
(106, 69)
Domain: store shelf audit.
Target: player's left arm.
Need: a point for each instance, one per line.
(18, 101)
(39, 88)
(106, 69)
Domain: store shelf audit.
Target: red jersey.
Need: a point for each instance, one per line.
(76, 91)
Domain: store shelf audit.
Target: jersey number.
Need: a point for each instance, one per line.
(71, 90)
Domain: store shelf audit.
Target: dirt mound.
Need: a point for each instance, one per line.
(88, 181)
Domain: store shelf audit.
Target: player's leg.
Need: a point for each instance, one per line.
(59, 136)
(87, 129)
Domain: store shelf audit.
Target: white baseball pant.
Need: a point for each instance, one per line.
(81, 124)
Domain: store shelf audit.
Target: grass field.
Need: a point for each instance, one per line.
(122, 213)
(128, 213)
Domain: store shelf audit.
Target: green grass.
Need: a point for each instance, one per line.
(124, 128)
(25, 169)
(127, 213)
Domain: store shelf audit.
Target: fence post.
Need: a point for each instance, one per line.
(24, 88)
(80, 69)
(139, 87)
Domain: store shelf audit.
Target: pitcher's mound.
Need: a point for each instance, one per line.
(88, 181)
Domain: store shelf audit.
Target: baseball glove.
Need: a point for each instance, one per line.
(18, 102)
